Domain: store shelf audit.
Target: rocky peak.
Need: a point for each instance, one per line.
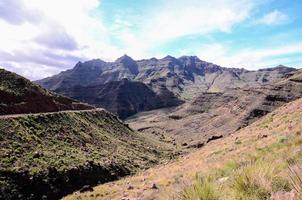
(124, 59)
(128, 63)
(95, 64)
(169, 58)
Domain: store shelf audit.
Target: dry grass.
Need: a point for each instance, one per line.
(295, 174)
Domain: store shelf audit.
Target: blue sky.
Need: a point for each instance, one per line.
(41, 38)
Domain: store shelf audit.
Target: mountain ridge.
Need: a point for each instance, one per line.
(177, 79)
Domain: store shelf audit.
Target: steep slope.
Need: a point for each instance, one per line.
(123, 98)
(46, 156)
(184, 77)
(260, 150)
(218, 114)
(19, 95)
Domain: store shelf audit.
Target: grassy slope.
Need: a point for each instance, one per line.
(53, 154)
(274, 138)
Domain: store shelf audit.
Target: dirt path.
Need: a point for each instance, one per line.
(47, 113)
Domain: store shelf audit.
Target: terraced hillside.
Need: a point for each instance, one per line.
(46, 156)
(258, 162)
(19, 95)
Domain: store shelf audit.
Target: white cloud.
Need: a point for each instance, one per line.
(249, 58)
(64, 28)
(273, 18)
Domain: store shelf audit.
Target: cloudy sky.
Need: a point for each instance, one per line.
(39, 38)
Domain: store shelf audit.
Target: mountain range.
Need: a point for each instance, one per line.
(171, 81)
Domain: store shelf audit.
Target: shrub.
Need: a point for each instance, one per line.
(202, 189)
(254, 181)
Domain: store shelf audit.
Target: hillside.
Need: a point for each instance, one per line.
(218, 114)
(123, 98)
(19, 95)
(46, 156)
(255, 163)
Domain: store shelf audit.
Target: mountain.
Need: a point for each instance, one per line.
(49, 155)
(173, 80)
(19, 95)
(215, 115)
(123, 98)
(183, 76)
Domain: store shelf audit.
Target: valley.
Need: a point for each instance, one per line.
(150, 100)
(144, 134)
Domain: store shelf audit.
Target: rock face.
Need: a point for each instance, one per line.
(123, 98)
(185, 78)
(18, 95)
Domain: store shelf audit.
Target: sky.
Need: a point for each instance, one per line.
(39, 38)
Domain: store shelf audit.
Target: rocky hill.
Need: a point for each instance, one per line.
(19, 95)
(46, 156)
(214, 115)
